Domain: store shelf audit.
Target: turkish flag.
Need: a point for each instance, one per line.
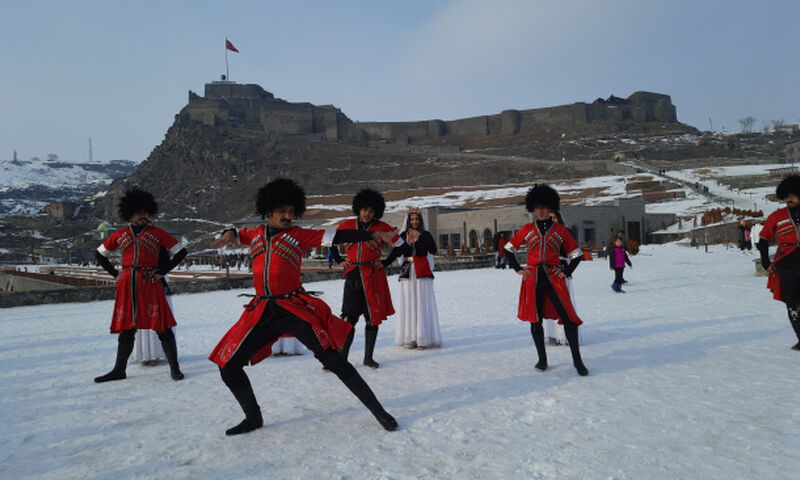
(230, 46)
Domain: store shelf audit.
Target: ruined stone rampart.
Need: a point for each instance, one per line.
(251, 107)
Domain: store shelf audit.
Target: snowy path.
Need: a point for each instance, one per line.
(691, 377)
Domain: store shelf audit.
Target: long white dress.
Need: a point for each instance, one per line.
(418, 319)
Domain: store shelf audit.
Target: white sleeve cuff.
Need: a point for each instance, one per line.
(327, 237)
(102, 250)
(575, 254)
(510, 248)
(399, 241)
(177, 248)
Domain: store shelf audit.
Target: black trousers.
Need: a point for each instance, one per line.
(354, 298)
(545, 288)
(618, 274)
(274, 322)
(790, 287)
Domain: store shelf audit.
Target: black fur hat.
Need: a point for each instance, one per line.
(542, 195)
(788, 185)
(369, 198)
(136, 200)
(278, 193)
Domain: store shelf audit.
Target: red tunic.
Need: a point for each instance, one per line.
(139, 302)
(544, 250)
(780, 225)
(276, 271)
(362, 254)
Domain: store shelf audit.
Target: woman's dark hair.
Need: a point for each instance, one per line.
(280, 192)
(421, 220)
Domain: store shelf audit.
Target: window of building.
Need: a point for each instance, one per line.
(455, 240)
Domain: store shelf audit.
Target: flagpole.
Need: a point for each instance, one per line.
(227, 75)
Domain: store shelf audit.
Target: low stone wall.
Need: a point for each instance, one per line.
(13, 282)
(90, 294)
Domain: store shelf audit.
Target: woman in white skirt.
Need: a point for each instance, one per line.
(553, 331)
(418, 319)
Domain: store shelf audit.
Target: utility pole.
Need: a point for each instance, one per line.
(90, 149)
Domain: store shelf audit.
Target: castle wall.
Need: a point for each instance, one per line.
(393, 130)
(658, 107)
(287, 120)
(229, 90)
(510, 122)
(469, 127)
(567, 114)
(250, 105)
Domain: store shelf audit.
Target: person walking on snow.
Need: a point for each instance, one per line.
(544, 286)
(783, 225)
(617, 260)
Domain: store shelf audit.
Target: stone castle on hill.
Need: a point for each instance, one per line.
(249, 106)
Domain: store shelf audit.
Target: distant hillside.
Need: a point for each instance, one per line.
(28, 185)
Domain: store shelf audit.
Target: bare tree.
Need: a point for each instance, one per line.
(52, 157)
(776, 124)
(747, 124)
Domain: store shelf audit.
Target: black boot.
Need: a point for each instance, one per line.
(356, 384)
(571, 332)
(124, 349)
(171, 352)
(239, 385)
(345, 351)
(794, 320)
(538, 340)
(370, 337)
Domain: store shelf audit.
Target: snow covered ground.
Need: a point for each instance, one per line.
(691, 377)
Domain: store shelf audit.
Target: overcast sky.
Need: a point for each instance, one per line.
(118, 72)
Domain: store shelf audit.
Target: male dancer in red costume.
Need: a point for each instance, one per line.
(784, 270)
(366, 290)
(281, 305)
(544, 292)
(140, 300)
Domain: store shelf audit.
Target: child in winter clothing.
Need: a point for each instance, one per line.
(617, 261)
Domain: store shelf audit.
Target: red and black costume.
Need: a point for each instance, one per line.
(276, 259)
(281, 306)
(366, 289)
(544, 294)
(783, 225)
(140, 301)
